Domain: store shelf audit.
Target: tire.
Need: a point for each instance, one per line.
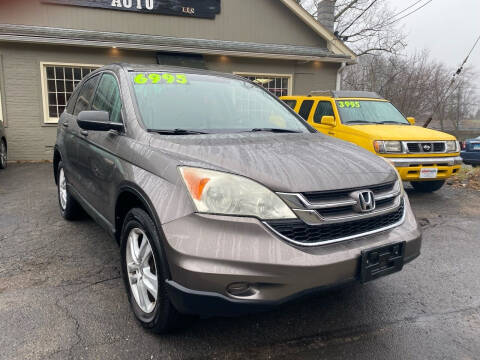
(3, 154)
(69, 207)
(427, 186)
(142, 273)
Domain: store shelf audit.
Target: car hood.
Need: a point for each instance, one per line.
(402, 132)
(282, 162)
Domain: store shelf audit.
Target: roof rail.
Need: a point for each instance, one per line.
(346, 94)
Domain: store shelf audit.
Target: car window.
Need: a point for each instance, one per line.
(304, 111)
(85, 95)
(324, 108)
(291, 103)
(169, 101)
(107, 98)
(71, 102)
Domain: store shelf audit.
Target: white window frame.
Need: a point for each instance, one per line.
(43, 72)
(288, 76)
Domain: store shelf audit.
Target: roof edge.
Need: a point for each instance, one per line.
(89, 38)
(335, 45)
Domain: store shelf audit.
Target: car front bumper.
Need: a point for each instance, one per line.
(409, 168)
(209, 253)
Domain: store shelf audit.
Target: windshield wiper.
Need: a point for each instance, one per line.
(275, 130)
(392, 122)
(360, 122)
(176, 132)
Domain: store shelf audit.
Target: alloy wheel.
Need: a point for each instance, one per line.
(142, 270)
(3, 154)
(62, 189)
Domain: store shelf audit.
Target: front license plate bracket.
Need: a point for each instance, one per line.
(381, 261)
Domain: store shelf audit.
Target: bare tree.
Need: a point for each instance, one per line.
(418, 86)
(366, 26)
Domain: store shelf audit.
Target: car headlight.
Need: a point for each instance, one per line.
(216, 192)
(452, 146)
(384, 147)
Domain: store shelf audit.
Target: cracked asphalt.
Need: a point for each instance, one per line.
(61, 295)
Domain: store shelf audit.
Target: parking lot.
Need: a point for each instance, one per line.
(61, 295)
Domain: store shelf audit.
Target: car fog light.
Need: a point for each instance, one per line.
(240, 289)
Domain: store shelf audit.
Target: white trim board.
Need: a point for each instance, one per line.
(43, 78)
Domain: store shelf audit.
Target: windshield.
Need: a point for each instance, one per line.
(204, 103)
(356, 112)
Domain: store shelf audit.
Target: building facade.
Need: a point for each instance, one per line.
(47, 46)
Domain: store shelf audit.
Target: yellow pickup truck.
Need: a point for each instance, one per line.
(422, 156)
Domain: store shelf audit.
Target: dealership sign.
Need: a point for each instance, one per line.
(192, 8)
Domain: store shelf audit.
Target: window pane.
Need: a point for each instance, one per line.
(52, 98)
(60, 85)
(69, 86)
(52, 111)
(59, 72)
(69, 73)
(50, 72)
(51, 86)
(107, 98)
(77, 73)
(61, 99)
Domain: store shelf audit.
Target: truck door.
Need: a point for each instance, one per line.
(324, 108)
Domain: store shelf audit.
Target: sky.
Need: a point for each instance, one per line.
(447, 28)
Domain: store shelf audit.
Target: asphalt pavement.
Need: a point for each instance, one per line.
(61, 295)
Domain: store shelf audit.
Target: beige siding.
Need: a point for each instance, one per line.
(260, 21)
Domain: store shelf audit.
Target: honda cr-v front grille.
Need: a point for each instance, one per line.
(299, 232)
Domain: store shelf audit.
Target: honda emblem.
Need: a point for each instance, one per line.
(365, 201)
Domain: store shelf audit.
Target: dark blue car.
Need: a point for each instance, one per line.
(471, 151)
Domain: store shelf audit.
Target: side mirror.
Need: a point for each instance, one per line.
(411, 120)
(328, 121)
(97, 121)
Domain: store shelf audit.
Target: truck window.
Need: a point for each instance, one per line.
(291, 103)
(305, 109)
(324, 108)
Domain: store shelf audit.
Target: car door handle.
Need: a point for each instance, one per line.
(331, 133)
(84, 132)
(65, 124)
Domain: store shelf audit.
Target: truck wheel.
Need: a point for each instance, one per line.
(427, 186)
(144, 272)
(69, 207)
(3, 154)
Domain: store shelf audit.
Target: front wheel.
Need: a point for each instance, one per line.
(428, 186)
(69, 207)
(144, 272)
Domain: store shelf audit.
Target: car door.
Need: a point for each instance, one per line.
(98, 148)
(323, 108)
(81, 101)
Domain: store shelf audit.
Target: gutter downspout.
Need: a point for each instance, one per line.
(339, 75)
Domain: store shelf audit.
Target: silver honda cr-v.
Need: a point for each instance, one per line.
(222, 198)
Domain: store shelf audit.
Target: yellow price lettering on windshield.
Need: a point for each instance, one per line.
(349, 104)
(165, 78)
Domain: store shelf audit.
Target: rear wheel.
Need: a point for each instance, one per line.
(144, 271)
(3, 155)
(427, 186)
